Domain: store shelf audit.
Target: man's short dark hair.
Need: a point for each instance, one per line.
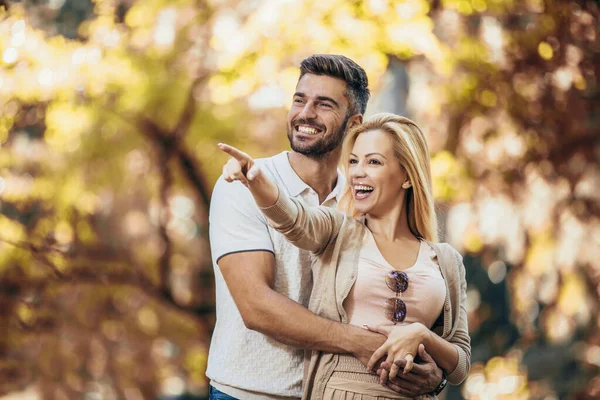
(345, 69)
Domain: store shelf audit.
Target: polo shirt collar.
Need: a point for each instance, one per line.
(290, 178)
(294, 184)
(339, 187)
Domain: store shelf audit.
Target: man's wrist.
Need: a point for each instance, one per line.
(360, 339)
(350, 337)
(441, 386)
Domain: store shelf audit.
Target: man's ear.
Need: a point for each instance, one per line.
(354, 120)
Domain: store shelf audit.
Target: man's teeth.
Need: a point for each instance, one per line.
(308, 130)
(363, 188)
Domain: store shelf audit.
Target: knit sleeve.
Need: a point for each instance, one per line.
(309, 228)
(461, 339)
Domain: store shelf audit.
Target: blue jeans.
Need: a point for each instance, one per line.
(214, 394)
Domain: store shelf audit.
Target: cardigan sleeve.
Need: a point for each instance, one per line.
(309, 228)
(461, 339)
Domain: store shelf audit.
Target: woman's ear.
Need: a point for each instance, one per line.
(406, 185)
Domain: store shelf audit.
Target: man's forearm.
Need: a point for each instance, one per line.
(292, 324)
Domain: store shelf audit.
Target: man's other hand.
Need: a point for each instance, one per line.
(424, 377)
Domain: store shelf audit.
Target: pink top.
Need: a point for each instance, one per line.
(424, 296)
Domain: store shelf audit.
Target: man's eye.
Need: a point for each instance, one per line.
(298, 101)
(326, 105)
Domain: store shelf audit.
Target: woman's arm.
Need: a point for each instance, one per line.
(453, 356)
(460, 338)
(309, 228)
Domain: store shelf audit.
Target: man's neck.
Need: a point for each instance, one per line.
(321, 175)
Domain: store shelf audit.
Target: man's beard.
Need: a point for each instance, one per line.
(320, 148)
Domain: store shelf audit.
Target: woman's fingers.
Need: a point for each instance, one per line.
(409, 363)
(383, 378)
(240, 167)
(253, 173)
(407, 360)
(235, 153)
(377, 355)
(226, 174)
(232, 171)
(383, 329)
(389, 359)
(394, 370)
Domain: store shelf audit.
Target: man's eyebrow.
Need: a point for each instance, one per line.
(320, 98)
(325, 98)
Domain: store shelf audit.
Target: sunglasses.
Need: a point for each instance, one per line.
(395, 309)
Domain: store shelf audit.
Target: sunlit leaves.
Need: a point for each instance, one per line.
(545, 51)
(448, 177)
(365, 33)
(500, 377)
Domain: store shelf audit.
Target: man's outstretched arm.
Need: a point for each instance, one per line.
(250, 277)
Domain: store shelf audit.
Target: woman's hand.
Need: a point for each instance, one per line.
(402, 344)
(240, 167)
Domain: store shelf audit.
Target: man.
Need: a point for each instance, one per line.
(263, 282)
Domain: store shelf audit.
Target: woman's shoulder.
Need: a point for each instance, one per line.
(349, 226)
(446, 248)
(354, 223)
(448, 257)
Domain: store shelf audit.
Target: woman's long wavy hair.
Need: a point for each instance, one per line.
(410, 148)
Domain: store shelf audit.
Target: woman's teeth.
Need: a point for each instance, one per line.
(362, 191)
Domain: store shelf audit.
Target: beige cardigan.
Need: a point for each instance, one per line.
(336, 240)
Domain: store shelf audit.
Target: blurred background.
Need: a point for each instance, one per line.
(110, 111)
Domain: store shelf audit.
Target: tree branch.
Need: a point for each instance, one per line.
(189, 165)
(166, 182)
(189, 111)
(39, 252)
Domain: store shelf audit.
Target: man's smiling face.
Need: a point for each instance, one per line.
(318, 117)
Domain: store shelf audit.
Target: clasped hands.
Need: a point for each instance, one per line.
(399, 371)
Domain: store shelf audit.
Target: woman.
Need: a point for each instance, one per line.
(376, 263)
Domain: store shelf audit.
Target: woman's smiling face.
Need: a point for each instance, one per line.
(375, 174)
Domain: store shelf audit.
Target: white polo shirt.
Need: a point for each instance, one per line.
(244, 363)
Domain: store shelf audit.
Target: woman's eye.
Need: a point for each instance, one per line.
(374, 162)
(352, 161)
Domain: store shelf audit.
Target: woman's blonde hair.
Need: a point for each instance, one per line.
(410, 148)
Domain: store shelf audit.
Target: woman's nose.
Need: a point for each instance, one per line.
(357, 170)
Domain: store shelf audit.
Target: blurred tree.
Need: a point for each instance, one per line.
(107, 108)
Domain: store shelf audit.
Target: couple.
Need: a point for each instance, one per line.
(280, 246)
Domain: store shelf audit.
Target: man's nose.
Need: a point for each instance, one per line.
(308, 111)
